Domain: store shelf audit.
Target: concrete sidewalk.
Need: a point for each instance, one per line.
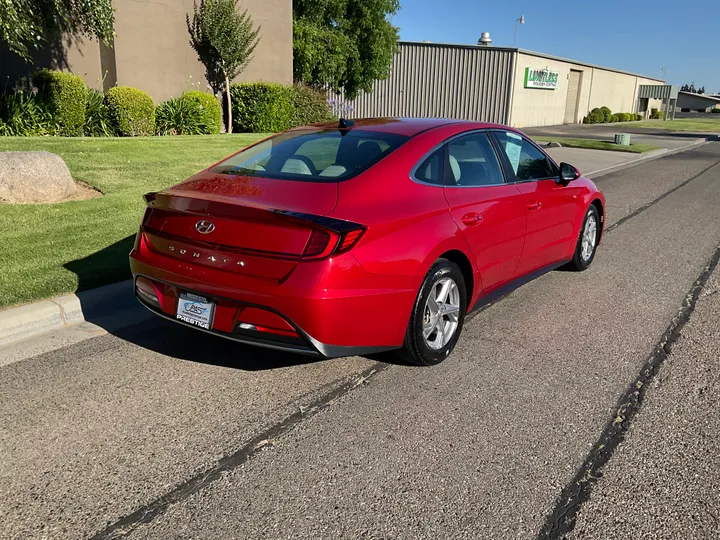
(591, 162)
(596, 163)
(606, 132)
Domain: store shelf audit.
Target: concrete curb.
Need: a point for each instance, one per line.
(110, 307)
(113, 307)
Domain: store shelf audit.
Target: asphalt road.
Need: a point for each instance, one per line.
(581, 404)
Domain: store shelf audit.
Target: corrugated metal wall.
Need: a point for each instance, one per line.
(427, 80)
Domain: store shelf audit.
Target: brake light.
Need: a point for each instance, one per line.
(349, 239)
(319, 243)
(324, 244)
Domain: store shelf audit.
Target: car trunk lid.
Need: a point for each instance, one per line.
(239, 224)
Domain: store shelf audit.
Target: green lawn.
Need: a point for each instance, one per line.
(601, 145)
(700, 125)
(51, 249)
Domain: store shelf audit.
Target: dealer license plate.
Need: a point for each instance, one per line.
(195, 310)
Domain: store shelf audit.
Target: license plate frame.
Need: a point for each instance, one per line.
(195, 310)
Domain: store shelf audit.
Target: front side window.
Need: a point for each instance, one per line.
(472, 162)
(526, 161)
(312, 155)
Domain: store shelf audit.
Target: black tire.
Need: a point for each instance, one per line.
(580, 263)
(415, 349)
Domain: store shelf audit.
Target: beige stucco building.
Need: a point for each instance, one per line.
(495, 84)
(152, 49)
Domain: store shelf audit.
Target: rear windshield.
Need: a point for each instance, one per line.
(313, 155)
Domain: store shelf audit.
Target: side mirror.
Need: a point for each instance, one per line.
(568, 173)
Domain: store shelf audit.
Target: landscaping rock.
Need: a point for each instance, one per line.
(34, 177)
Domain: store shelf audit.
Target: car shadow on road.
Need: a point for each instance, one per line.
(115, 309)
(176, 341)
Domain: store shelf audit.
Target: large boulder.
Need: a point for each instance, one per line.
(34, 177)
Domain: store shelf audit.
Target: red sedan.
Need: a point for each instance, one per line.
(361, 237)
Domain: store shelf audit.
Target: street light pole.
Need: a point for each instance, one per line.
(521, 20)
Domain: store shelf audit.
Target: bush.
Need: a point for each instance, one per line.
(607, 113)
(23, 114)
(596, 116)
(97, 115)
(180, 116)
(132, 111)
(659, 115)
(261, 107)
(211, 110)
(614, 118)
(310, 105)
(64, 95)
(715, 110)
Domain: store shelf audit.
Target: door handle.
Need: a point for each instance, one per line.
(534, 206)
(471, 219)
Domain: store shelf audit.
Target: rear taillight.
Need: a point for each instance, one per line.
(320, 245)
(325, 243)
(349, 240)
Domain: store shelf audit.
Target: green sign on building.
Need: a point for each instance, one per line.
(541, 78)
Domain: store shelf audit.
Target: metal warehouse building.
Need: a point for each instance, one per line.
(504, 85)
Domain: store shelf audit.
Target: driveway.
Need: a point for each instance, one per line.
(157, 431)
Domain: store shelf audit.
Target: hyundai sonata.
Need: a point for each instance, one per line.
(362, 237)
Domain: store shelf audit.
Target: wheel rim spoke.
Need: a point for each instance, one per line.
(442, 313)
(589, 238)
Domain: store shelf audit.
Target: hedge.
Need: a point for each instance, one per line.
(131, 111)
(212, 110)
(261, 107)
(64, 95)
(311, 106)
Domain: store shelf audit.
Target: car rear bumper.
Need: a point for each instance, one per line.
(330, 308)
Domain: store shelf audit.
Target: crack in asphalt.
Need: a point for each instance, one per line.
(146, 513)
(563, 517)
(644, 207)
(570, 500)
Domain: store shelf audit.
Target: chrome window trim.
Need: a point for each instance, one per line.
(448, 141)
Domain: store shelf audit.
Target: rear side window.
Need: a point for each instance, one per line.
(430, 170)
(313, 155)
(472, 162)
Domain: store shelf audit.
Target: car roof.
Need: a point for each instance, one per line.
(405, 126)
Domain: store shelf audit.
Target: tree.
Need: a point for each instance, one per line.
(224, 40)
(343, 45)
(24, 24)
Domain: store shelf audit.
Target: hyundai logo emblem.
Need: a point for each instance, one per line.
(204, 226)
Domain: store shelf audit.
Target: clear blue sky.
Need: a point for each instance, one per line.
(639, 36)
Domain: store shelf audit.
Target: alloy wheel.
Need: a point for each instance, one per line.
(589, 238)
(441, 315)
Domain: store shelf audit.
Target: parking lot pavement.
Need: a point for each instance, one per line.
(664, 479)
(162, 432)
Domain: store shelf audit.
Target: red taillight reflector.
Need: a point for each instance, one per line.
(349, 240)
(146, 289)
